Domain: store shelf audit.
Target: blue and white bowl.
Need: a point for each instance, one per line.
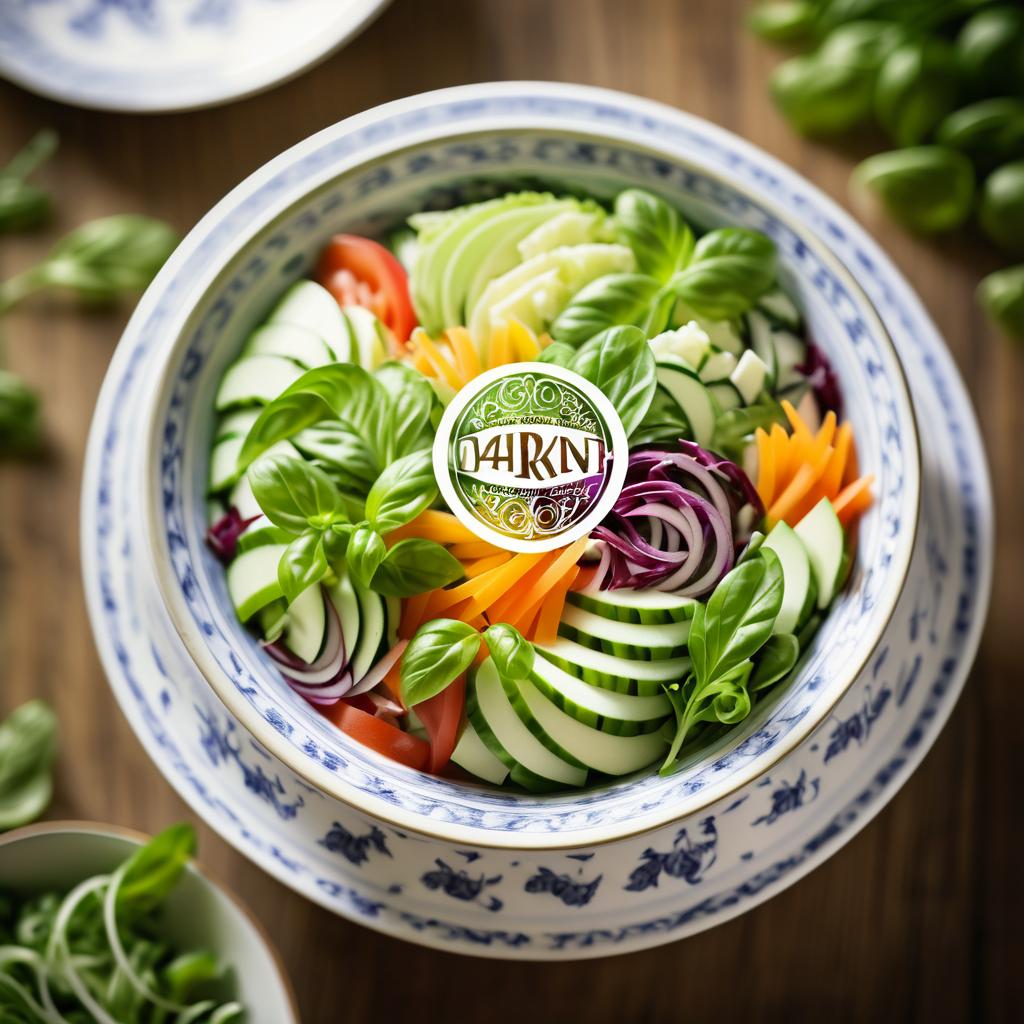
(357, 177)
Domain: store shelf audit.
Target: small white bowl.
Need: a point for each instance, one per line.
(200, 914)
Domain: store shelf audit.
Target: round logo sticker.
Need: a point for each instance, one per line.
(530, 456)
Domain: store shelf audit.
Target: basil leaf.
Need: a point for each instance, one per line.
(365, 552)
(415, 566)
(620, 362)
(154, 869)
(990, 49)
(1001, 295)
(439, 652)
(724, 700)
(661, 240)
(606, 302)
(730, 270)
(558, 353)
(27, 747)
(341, 453)
(820, 97)
(402, 491)
(988, 133)
(1001, 212)
(341, 391)
(917, 87)
(738, 618)
(511, 653)
(303, 563)
(20, 422)
(784, 21)
(294, 494)
(774, 661)
(411, 401)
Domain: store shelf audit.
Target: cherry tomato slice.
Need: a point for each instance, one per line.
(441, 717)
(378, 735)
(361, 272)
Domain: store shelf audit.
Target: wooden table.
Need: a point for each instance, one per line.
(918, 918)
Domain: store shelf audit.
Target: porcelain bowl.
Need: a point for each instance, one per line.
(364, 175)
(200, 915)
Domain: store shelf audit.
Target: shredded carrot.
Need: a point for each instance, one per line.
(412, 614)
(440, 526)
(473, 549)
(544, 588)
(481, 565)
(546, 630)
(500, 611)
(585, 578)
(853, 499)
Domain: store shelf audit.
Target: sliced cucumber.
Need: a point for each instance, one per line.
(260, 533)
(473, 755)
(625, 675)
(290, 342)
(790, 352)
(306, 624)
(797, 596)
(686, 389)
(717, 366)
(626, 639)
(600, 708)
(627, 605)
(781, 308)
(606, 753)
(256, 380)
(371, 631)
(342, 595)
(368, 332)
(242, 499)
(726, 395)
(236, 424)
(750, 376)
(224, 471)
(310, 305)
(505, 735)
(825, 541)
(762, 342)
(252, 579)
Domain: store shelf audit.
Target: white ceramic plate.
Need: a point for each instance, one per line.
(161, 55)
(613, 898)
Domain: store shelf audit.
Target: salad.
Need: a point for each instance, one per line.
(543, 491)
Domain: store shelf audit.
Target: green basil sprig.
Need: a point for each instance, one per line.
(725, 634)
(27, 748)
(661, 240)
(605, 302)
(442, 649)
(1001, 211)
(22, 204)
(149, 875)
(414, 566)
(405, 488)
(365, 552)
(1001, 295)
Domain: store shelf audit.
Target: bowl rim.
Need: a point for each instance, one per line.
(76, 826)
(168, 585)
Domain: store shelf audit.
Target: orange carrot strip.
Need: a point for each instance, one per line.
(854, 499)
(796, 421)
(412, 614)
(784, 467)
(546, 630)
(490, 586)
(550, 580)
(523, 343)
(436, 525)
(473, 549)
(500, 610)
(498, 351)
(481, 565)
(803, 480)
(442, 367)
(765, 466)
(585, 578)
(466, 359)
(832, 475)
(852, 470)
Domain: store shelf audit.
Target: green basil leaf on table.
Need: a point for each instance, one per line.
(22, 204)
(294, 494)
(820, 98)
(27, 748)
(1001, 211)
(511, 653)
(730, 270)
(774, 661)
(608, 301)
(411, 400)
(918, 85)
(620, 362)
(1001, 295)
(988, 133)
(365, 552)
(415, 566)
(20, 422)
(341, 391)
(784, 21)
(405, 488)
(925, 188)
(303, 563)
(148, 876)
(990, 49)
(439, 652)
(661, 240)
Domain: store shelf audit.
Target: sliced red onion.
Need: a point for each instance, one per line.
(222, 536)
(327, 668)
(377, 672)
(324, 695)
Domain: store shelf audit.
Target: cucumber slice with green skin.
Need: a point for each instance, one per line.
(342, 595)
(717, 366)
(255, 380)
(825, 541)
(214, 510)
(611, 712)
(763, 344)
(790, 352)
(392, 616)
(368, 333)
(236, 424)
(310, 305)
(627, 639)
(224, 471)
(505, 735)
(623, 675)
(750, 377)
(243, 500)
(726, 395)
(271, 620)
(306, 624)
(563, 734)
(472, 755)
(624, 604)
(289, 341)
(779, 307)
(260, 533)
(692, 398)
(796, 577)
(252, 579)
(371, 631)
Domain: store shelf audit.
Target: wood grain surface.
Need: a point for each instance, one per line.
(917, 919)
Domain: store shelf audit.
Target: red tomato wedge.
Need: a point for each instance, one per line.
(361, 272)
(441, 717)
(378, 735)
